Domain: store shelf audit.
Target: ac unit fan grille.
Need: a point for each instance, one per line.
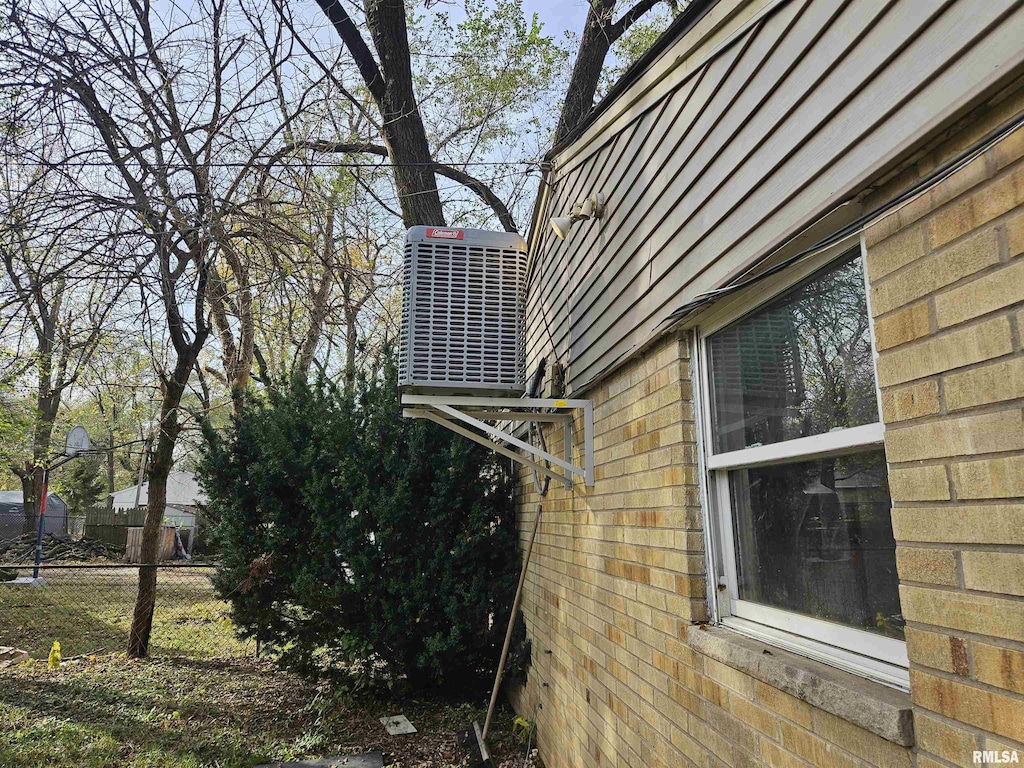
(463, 318)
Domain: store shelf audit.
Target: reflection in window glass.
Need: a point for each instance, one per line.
(815, 537)
(801, 366)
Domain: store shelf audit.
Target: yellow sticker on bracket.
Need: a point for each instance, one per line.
(560, 403)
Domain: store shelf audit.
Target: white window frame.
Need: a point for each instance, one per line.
(864, 653)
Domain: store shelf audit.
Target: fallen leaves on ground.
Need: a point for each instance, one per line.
(230, 713)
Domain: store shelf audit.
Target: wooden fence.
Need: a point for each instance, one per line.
(112, 527)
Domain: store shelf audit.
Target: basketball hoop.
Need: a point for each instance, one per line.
(77, 442)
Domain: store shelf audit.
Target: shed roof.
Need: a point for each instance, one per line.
(16, 497)
(182, 491)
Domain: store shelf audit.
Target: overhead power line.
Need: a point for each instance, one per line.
(261, 163)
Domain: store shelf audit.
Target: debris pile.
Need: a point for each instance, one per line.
(57, 549)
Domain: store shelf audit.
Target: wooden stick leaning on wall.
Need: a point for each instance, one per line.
(508, 633)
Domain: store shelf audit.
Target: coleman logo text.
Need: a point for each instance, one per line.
(445, 234)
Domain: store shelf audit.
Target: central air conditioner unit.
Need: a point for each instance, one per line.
(463, 312)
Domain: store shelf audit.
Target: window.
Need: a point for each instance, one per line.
(797, 477)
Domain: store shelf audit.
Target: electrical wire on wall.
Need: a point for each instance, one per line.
(857, 226)
(534, 390)
(682, 313)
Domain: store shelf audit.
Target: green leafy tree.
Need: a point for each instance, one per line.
(351, 534)
(81, 484)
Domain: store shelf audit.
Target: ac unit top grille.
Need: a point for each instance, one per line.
(463, 311)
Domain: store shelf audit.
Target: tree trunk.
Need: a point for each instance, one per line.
(586, 72)
(31, 490)
(159, 469)
(350, 349)
(402, 125)
(391, 86)
(110, 471)
(32, 479)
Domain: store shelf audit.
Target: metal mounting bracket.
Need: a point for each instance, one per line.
(476, 410)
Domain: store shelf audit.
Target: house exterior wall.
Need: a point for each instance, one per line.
(763, 117)
(615, 596)
(947, 290)
(616, 581)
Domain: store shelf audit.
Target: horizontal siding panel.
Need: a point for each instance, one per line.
(799, 113)
(825, 167)
(557, 258)
(631, 222)
(580, 255)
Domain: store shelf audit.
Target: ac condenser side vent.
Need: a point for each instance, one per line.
(463, 312)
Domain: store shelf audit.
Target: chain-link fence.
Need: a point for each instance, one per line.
(88, 610)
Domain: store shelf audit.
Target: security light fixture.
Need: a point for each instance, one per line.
(591, 208)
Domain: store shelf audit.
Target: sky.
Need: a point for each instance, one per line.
(559, 16)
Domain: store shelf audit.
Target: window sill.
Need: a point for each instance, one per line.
(877, 708)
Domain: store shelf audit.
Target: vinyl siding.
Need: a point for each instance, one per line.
(743, 140)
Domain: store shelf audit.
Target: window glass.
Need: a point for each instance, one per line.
(800, 366)
(815, 537)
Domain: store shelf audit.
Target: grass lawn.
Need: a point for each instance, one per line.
(89, 610)
(202, 699)
(180, 713)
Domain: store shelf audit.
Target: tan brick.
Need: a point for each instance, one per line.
(1001, 667)
(689, 747)
(629, 571)
(1009, 149)
(729, 677)
(895, 252)
(988, 384)
(788, 706)
(775, 756)
(756, 717)
(969, 176)
(873, 749)
(715, 693)
(902, 326)
(910, 402)
(997, 745)
(994, 572)
(933, 566)
(1002, 715)
(964, 436)
(937, 650)
(990, 478)
(936, 271)
(986, 294)
(919, 484)
(690, 586)
(973, 344)
(944, 740)
(711, 739)
(983, 615)
(969, 524)
(813, 749)
(983, 205)
(1015, 235)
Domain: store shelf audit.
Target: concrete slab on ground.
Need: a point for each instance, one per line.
(398, 725)
(25, 581)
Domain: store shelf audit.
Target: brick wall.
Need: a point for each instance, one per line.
(947, 293)
(617, 579)
(618, 574)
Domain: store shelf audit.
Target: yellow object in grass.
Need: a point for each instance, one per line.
(54, 661)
